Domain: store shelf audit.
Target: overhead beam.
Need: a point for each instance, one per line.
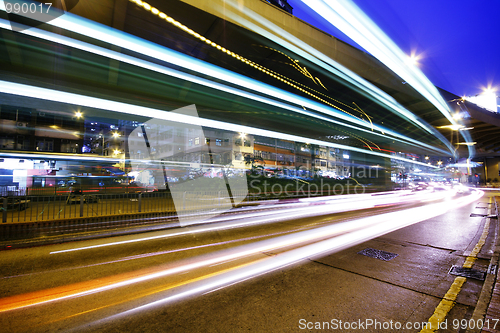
(119, 15)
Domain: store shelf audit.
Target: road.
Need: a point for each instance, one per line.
(261, 268)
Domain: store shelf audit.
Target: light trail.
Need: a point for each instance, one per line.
(270, 26)
(347, 203)
(170, 72)
(94, 30)
(147, 255)
(373, 227)
(374, 223)
(284, 38)
(98, 103)
(353, 22)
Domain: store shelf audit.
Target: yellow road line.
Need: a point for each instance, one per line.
(473, 255)
(444, 306)
(451, 295)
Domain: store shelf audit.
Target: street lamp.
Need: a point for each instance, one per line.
(413, 59)
(453, 127)
(102, 146)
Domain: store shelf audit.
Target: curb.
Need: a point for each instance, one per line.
(484, 300)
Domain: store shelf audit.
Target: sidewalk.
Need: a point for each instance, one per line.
(491, 290)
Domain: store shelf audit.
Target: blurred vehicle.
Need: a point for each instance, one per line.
(462, 189)
(439, 187)
(419, 186)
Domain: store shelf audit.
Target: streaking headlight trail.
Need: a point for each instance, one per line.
(310, 243)
(373, 227)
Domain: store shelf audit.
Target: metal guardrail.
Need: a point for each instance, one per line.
(37, 208)
(31, 216)
(39, 216)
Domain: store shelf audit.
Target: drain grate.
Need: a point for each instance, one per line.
(484, 215)
(378, 254)
(467, 272)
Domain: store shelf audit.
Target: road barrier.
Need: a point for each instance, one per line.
(30, 216)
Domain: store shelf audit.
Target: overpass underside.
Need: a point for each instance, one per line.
(117, 63)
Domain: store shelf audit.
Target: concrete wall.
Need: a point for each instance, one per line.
(492, 168)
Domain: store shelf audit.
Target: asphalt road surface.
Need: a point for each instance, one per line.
(274, 268)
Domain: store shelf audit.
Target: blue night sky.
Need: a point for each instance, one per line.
(458, 41)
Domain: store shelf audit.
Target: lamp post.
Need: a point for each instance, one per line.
(102, 146)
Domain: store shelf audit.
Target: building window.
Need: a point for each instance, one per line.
(7, 142)
(218, 142)
(23, 143)
(45, 145)
(46, 119)
(68, 146)
(197, 140)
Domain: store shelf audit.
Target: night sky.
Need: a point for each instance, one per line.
(458, 41)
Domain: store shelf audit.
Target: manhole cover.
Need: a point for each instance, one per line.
(378, 254)
(467, 272)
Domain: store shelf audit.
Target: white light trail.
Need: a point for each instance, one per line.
(372, 227)
(352, 21)
(331, 206)
(94, 30)
(346, 234)
(284, 38)
(104, 104)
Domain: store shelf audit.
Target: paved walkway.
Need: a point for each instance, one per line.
(492, 317)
